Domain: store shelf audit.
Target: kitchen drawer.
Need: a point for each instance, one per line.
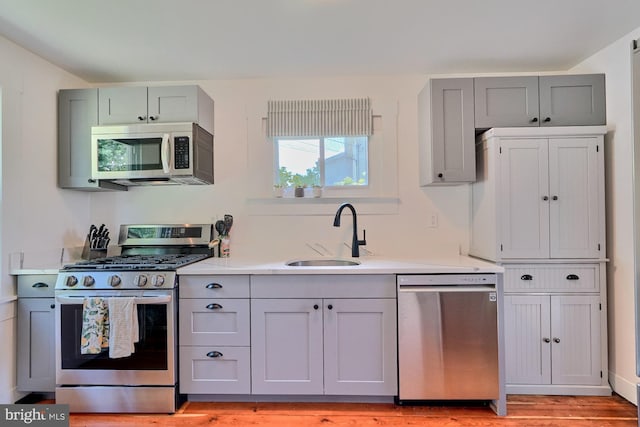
(552, 278)
(214, 322)
(36, 285)
(215, 370)
(214, 286)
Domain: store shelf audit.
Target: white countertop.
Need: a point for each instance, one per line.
(368, 265)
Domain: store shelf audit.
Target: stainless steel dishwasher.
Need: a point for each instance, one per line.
(447, 337)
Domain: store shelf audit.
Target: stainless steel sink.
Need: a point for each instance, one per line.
(323, 263)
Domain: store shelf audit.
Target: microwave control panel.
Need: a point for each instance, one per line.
(181, 152)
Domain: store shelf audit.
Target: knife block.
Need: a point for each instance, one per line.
(89, 253)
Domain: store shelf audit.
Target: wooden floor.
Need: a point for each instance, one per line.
(522, 411)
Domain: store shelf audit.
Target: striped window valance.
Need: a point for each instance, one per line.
(319, 117)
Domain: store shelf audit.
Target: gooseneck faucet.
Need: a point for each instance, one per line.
(355, 243)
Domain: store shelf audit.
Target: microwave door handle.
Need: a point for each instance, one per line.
(165, 155)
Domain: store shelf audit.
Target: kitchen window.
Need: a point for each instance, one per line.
(346, 146)
(338, 161)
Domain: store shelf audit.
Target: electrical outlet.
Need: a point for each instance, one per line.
(433, 220)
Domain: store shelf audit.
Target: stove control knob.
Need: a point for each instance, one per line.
(157, 281)
(88, 281)
(71, 281)
(114, 281)
(140, 280)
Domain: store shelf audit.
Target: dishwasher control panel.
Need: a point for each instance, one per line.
(447, 279)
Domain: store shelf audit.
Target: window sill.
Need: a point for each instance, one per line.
(321, 205)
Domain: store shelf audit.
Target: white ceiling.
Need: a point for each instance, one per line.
(153, 40)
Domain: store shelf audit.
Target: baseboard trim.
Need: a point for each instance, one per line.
(624, 387)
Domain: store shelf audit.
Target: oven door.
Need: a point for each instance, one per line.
(152, 362)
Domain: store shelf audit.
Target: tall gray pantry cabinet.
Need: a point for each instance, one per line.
(538, 209)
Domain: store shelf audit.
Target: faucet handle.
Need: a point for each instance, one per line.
(364, 238)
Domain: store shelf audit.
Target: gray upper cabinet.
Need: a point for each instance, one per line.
(77, 112)
(159, 104)
(506, 102)
(446, 132)
(577, 100)
(122, 105)
(565, 100)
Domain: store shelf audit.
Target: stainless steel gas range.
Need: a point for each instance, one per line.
(90, 295)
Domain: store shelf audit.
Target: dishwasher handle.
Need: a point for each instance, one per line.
(433, 289)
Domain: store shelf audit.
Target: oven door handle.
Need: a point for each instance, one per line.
(163, 299)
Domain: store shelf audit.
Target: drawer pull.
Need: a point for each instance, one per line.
(214, 306)
(40, 285)
(214, 354)
(214, 286)
(573, 277)
(526, 277)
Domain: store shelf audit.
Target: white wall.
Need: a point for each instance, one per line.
(615, 62)
(35, 214)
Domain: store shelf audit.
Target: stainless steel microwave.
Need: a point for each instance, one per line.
(152, 154)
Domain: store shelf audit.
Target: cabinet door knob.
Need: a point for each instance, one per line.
(214, 286)
(330, 307)
(556, 340)
(547, 119)
(214, 354)
(315, 306)
(545, 198)
(153, 118)
(52, 306)
(142, 118)
(534, 120)
(526, 277)
(554, 198)
(573, 277)
(440, 175)
(547, 340)
(214, 306)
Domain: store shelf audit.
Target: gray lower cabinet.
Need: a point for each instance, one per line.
(214, 335)
(560, 100)
(332, 335)
(555, 329)
(36, 334)
(446, 132)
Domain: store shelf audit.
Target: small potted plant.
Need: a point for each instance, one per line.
(298, 185)
(278, 190)
(317, 190)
